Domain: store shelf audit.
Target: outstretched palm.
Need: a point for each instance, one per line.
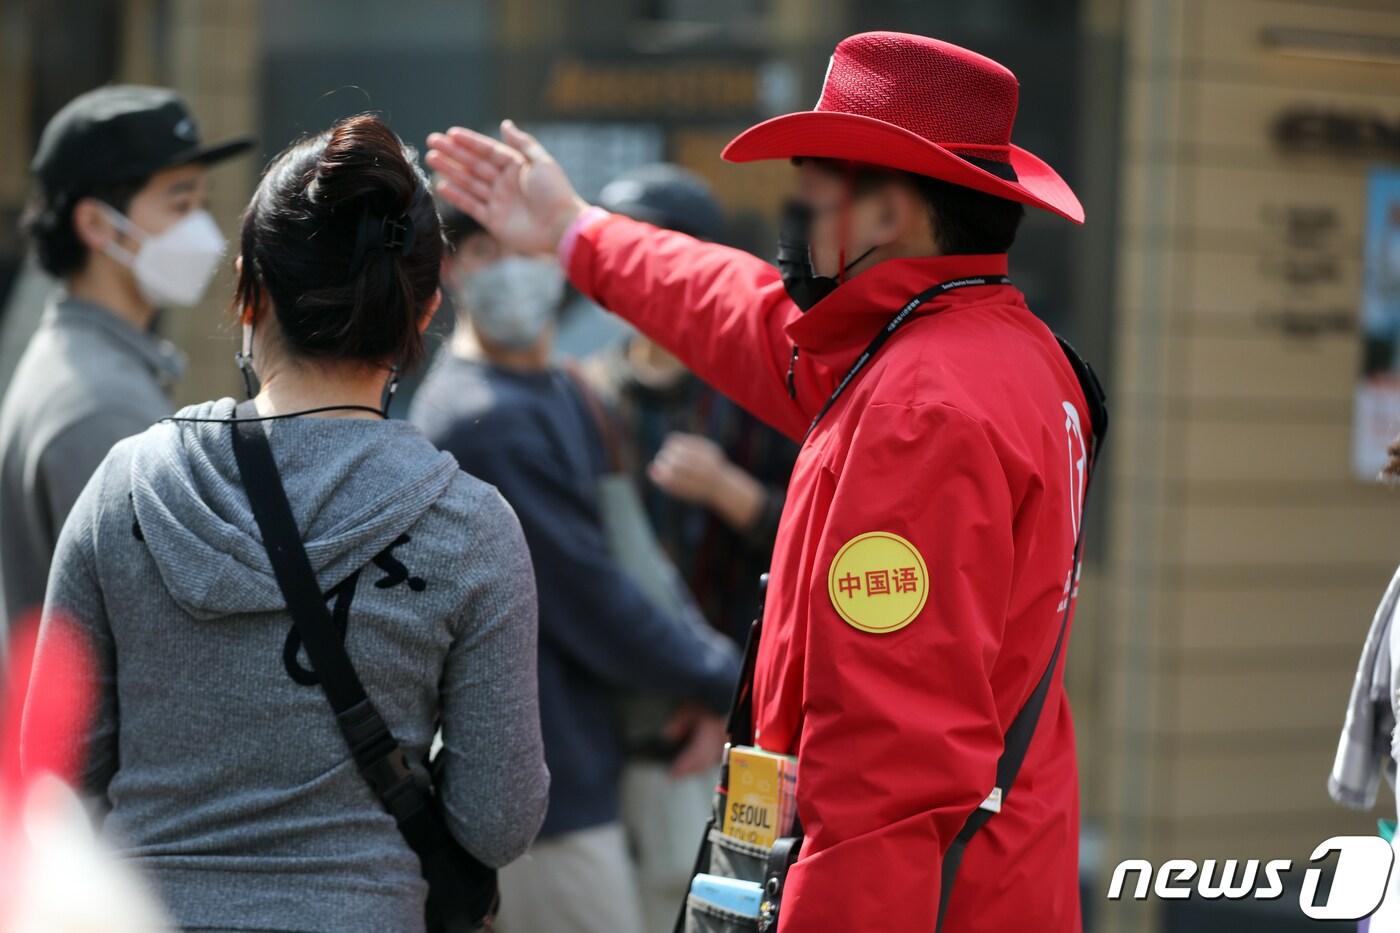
(513, 188)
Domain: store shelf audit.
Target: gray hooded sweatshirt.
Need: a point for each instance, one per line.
(214, 749)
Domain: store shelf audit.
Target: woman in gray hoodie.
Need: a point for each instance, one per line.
(214, 751)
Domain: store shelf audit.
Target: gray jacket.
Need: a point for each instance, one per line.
(214, 748)
(86, 380)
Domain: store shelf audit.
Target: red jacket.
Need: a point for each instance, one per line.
(964, 437)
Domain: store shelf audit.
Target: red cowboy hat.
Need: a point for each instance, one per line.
(920, 105)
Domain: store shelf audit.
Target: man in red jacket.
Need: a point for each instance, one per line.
(925, 567)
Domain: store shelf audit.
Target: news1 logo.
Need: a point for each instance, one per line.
(1358, 884)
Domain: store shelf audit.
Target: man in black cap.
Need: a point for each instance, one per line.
(119, 216)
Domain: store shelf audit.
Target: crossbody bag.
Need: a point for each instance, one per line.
(462, 893)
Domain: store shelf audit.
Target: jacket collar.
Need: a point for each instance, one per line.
(160, 357)
(851, 315)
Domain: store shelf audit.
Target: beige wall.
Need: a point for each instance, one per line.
(206, 51)
(213, 60)
(15, 144)
(1245, 560)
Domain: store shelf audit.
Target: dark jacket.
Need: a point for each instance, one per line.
(532, 436)
(720, 564)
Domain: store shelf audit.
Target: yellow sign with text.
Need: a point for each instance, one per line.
(878, 582)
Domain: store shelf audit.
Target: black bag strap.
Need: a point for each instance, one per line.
(1022, 730)
(740, 727)
(378, 755)
(776, 866)
(739, 731)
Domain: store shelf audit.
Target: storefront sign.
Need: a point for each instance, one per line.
(1376, 419)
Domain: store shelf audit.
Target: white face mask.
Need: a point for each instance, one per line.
(513, 300)
(175, 266)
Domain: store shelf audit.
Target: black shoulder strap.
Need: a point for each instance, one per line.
(377, 753)
(603, 420)
(740, 727)
(1022, 730)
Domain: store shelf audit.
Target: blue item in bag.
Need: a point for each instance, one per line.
(731, 894)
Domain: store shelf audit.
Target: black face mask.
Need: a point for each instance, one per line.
(803, 285)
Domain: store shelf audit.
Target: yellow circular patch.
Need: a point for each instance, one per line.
(878, 582)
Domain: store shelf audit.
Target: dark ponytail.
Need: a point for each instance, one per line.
(343, 239)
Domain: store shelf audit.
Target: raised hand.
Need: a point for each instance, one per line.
(511, 186)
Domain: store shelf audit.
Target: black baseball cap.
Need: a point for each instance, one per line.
(666, 195)
(122, 132)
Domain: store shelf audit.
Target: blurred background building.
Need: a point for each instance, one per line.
(1222, 150)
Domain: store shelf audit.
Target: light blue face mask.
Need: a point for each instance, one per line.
(513, 301)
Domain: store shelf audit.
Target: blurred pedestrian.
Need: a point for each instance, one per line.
(1368, 747)
(713, 477)
(56, 876)
(494, 400)
(215, 750)
(119, 215)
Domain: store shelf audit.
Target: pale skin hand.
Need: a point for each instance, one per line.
(511, 186)
(704, 734)
(694, 468)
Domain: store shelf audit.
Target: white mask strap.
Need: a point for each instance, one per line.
(244, 360)
(120, 253)
(390, 388)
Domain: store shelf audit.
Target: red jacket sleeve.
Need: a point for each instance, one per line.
(722, 311)
(901, 732)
